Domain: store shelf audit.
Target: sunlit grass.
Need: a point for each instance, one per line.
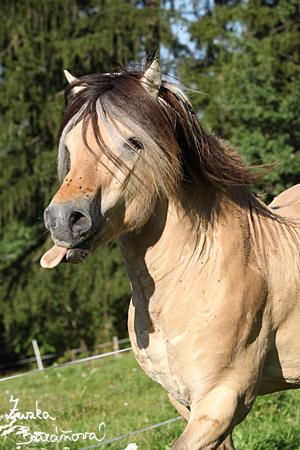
(116, 391)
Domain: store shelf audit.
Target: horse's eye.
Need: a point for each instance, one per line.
(135, 143)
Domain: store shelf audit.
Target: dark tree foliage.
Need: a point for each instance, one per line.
(244, 58)
(247, 68)
(72, 305)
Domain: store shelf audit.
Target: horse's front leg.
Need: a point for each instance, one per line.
(212, 419)
(183, 411)
(227, 444)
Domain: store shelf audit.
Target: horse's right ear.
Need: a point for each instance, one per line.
(151, 80)
(71, 79)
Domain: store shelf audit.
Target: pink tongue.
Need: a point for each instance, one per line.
(53, 257)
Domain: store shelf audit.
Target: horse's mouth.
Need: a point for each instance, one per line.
(70, 252)
(58, 254)
(76, 255)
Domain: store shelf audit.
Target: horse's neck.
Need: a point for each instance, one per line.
(178, 245)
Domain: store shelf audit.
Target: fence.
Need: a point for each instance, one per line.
(38, 358)
(133, 433)
(116, 352)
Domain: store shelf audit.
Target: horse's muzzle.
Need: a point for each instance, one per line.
(69, 222)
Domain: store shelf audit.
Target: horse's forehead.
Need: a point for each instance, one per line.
(74, 137)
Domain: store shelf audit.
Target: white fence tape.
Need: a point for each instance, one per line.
(133, 433)
(69, 363)
(48, 356)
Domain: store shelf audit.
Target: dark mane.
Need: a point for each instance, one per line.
(203, 154)
(170, 120)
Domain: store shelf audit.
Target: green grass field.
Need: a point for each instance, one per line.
(117, 392)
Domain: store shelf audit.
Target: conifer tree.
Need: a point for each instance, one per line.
(72, 305)
(247, 67)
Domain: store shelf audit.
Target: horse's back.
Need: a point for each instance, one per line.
(287, 204)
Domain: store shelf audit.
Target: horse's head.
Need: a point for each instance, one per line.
(117, 153)
(126, 140)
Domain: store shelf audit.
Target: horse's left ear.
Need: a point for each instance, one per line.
(151, 80)
(70, 79)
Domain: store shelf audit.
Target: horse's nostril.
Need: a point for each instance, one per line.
(79, 223)
(66, 224)
(49, 219)
(75, 217)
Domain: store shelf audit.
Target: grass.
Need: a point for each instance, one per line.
(116, 391)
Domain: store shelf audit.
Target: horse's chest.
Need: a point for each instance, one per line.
(152, 350)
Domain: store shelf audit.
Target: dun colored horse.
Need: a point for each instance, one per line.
(215, 273)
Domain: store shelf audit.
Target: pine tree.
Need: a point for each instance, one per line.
(247, 68)
(73, 304)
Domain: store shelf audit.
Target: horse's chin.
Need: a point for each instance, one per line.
(76, 255)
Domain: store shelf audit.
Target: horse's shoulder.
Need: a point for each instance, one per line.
(287, 203)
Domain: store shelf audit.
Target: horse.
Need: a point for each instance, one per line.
(215, 309)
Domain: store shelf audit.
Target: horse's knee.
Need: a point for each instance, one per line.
(201, 434)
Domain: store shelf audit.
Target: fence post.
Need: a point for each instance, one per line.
(116, 346)
(37, 354)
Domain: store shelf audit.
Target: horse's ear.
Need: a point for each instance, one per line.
(151, 80)
(70, 79)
